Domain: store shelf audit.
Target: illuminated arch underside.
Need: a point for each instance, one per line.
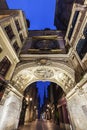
(61, 74)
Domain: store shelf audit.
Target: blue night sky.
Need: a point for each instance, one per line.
(39, 12)
(41, 87)
(41, 15)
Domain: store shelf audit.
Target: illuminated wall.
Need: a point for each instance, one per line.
(11, 112)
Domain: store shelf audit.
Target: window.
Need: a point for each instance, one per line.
(0, 49)
(4, 66)
(82, 48)
(82, 44)
(21, 37)
(2, 87)
(9, 32)
(85, 31)
(73, 24)
(16, 47)
(17, 25)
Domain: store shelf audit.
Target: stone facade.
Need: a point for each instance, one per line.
(3, 5)
(64, 65)
(63, 12)
(9, 119)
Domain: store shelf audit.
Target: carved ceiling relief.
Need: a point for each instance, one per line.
(43, 61)
(21, 79)
(42, 72)
(66, 81)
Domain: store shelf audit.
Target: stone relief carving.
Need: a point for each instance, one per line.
(43, 73)
(70, 83)
(66, 81)
(21, 80)
(43, 61)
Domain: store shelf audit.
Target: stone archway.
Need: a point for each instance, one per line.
(28, 73)
(61, 74)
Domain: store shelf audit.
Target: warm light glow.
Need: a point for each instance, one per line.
(47, 110)
(52, 111)
(26, 98)
(48, 105)
(35, 107)
(30, 99)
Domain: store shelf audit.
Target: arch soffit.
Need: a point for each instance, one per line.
(61, 74)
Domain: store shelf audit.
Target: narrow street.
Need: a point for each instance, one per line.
(40, 125)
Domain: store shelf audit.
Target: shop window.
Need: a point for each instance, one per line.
(17, 25)
(9, 32)
(16, 47)
(4, 66)
(21, 37)
(73, 24)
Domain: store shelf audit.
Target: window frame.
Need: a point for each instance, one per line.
(9, 31)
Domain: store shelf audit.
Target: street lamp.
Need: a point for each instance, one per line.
(26, 99)
(48, 105)
(35, 107)
(30, 99)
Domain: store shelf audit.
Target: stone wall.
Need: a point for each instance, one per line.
(11, 112)
(77, 107)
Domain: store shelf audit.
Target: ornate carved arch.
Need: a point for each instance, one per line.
(28, 73)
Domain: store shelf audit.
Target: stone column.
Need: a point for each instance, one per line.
(77, 107)
(11, 112)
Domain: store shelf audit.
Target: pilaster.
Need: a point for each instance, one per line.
(11, 111)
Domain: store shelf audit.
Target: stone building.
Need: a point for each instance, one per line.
(13, 32)
(3, 5)
(43, 56)
(31, 93)
(63, 12)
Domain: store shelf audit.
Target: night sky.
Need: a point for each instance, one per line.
(42, 86)
(41, 15)
(39, 12)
